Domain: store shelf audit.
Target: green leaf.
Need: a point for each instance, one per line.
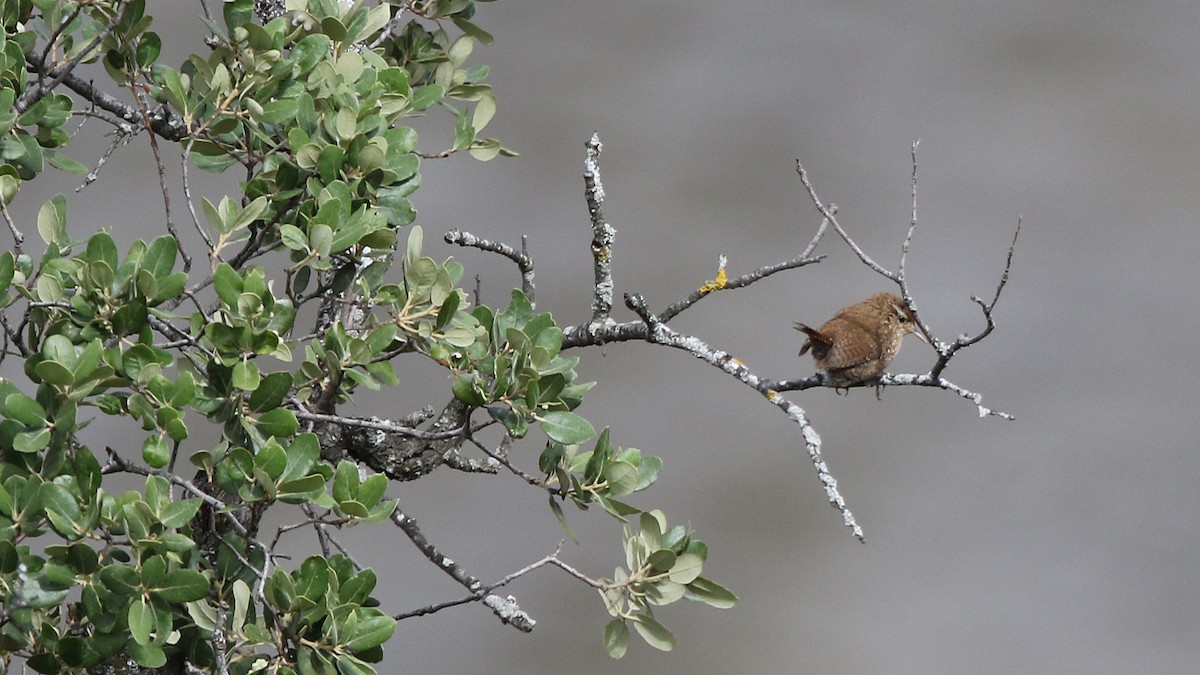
(7, 269)
(345, 481)
(348, 664)
(279, 423)
(301, 455)
(63, 162)
(710, 593)
(141, 620)
(31, 441)
(52, 372)
(19, 407)
(648, 472)
(300, 489)
(372, 488)
(55, 498)
(272, 459)
(177, 514)
(371, 632)
(616, 638)
(100, 248)
(687, 568)
(622, 477)
(562, 519)
(204, 615)
(293, 237)
(246, 376)
(566, 427)
(654, 633)
(148, 655)
(357, 588)
(169, 287)
(155, 451)
(463, 386)
(237, 13)
(52, 221)
(228, 284)
(424, 97)
(181, 585)
(159, 259)
(44, 662)
(661, 560)
(447, 310)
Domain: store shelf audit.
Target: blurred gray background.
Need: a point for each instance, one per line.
(1064, 542)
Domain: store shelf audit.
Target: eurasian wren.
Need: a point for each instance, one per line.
(860, 340)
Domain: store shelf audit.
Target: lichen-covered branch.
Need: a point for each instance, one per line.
(521, 258)
(506, 609)
(660, 333)
(602, 233)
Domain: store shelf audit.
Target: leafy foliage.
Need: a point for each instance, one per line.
(311, 105)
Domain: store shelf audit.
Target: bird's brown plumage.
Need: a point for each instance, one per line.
(861, 339)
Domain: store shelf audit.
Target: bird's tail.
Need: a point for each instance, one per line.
(814, 336)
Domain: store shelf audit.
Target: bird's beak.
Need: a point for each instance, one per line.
(920, 333)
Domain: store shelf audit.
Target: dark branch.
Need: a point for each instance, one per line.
(162, 121)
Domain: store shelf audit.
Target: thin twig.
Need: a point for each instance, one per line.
(551, 560)
(378, 425)
(740, 282)
(162, 181)
(505, 608)
(827, 212)
(18, 237)
(60, 74)
(184, 160)
(523, 261)
(499, 457)
(948, 351)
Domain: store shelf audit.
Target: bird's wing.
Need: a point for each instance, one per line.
(843, 354)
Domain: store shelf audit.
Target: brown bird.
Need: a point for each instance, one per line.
(860, 340)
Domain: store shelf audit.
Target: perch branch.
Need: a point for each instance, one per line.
(660, 333)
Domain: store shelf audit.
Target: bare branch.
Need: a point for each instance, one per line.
(551, 560)
(162, 182)
(740, 282)
(184, 160)
(506, 609)
(18, 237)
(163, 122)
(123, 132)
(377, 425)
(827, 212)
(500, 458)
(602, 233)
(890, 380)
(659, 333)
(522, 260)
(948, 351)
